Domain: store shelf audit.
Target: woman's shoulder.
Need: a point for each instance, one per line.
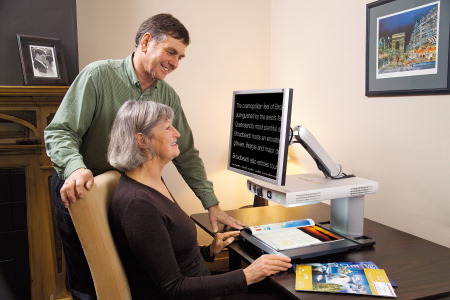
(132, 192)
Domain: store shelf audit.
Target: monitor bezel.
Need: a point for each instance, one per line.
(285, 132)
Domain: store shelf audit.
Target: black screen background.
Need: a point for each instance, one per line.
(255, 134)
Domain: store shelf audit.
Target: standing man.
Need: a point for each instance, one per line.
(77, 138)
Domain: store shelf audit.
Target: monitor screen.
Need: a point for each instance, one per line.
(259, 136)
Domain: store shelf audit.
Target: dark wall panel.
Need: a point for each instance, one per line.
(46, 18)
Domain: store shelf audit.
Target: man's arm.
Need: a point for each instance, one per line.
(191, 167)
(63, 138)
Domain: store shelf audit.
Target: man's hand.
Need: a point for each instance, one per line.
(75, 185)
(221, 240)
(216, 214)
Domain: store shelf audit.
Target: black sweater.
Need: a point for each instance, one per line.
(157, 243)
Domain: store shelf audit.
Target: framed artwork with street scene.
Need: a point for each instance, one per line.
(407, 47)
(42, 60)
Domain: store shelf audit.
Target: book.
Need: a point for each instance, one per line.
(292, 234)
(343, 278)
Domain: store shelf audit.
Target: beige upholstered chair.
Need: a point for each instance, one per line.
(90, 217)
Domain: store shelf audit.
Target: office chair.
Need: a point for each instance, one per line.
(90, 217)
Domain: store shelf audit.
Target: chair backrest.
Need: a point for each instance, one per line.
(90, 217)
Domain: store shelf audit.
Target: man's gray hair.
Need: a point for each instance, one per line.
(161, 25)
(133, 117)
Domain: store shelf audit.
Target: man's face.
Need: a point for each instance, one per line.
(161, 58)
(40, 57)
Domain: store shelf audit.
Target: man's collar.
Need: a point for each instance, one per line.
(132, 74)
(130, 70)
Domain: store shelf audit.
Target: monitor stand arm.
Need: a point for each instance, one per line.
(320, 156)
(347, 214)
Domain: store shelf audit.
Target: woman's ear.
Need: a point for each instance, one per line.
(140, 139)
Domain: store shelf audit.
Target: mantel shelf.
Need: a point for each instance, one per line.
(35, 91)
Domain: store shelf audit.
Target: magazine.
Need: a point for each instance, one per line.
(354, 265)
(332, 278)
(292, 234)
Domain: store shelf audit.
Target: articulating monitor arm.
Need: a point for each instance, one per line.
(322, 159)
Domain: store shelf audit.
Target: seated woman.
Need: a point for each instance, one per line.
(156, 239)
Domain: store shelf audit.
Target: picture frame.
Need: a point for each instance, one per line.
(42, 60)
(407, 47)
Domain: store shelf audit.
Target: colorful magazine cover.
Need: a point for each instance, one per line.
(354, 265)
(343, 279)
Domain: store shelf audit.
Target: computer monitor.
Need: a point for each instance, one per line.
(260, 133)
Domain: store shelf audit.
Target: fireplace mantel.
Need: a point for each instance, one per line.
(57, 91)
(33, 108)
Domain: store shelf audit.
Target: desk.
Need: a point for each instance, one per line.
(419, 267)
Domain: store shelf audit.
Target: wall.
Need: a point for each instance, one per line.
(252, 44)
(401, 142)
(43, 18)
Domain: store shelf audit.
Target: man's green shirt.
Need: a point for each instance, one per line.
(78, 135)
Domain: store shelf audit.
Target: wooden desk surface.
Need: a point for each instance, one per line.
(419, 267)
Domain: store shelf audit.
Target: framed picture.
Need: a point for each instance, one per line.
(407, 47)
(42, 60)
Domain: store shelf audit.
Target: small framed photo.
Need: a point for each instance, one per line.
(407, 47)
(42, 60)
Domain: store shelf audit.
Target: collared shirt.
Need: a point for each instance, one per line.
(78, 135)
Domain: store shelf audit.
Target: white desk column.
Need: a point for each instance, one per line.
(347, 215)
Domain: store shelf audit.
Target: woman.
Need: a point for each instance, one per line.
(156, 240)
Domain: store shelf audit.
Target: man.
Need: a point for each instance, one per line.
(77, 138)
(39, 61)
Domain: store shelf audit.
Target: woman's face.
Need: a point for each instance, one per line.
(164, 140)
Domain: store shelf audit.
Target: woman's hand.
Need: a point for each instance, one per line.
(221, 240)
(266, 265)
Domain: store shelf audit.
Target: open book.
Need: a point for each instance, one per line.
(292, 234)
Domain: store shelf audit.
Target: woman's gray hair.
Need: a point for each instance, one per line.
(133, 117)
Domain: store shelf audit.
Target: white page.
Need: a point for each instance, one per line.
(287, 238)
